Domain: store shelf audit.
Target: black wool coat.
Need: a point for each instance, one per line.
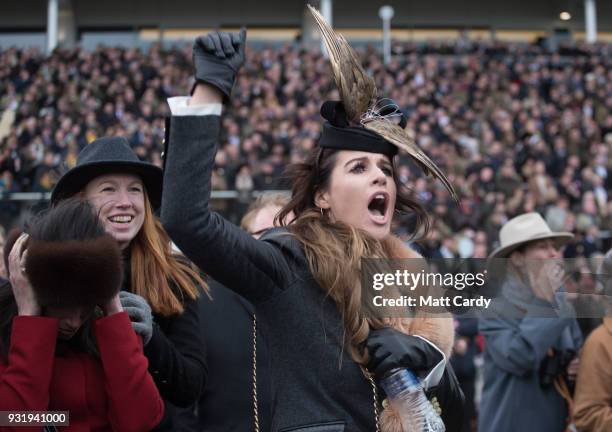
(177, 362)
(227, 405)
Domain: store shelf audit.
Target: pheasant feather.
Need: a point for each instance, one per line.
(397, 135)
(357, 89)
(358, 93)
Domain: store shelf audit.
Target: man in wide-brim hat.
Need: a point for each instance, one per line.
(522, 230)
(528, 347)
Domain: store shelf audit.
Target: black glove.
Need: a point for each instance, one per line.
(217, 57)
(451, 400)
(391, 349)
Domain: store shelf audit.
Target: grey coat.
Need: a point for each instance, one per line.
(315, 382)
(513, 398)
(317, 387)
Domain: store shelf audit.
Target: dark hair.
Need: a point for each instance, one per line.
(11, 238)
(72, 262)
(8, 306)
(8, 310)
(314, 174)
(334, 250)
(71, 220)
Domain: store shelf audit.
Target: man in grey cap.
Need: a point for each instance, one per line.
(531, 346)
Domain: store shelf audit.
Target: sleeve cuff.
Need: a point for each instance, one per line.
(179, 106)
(434, 376)
(112, 328)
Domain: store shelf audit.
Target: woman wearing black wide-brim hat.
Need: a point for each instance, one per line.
(161, 291)
(303, 279)
(105, 156)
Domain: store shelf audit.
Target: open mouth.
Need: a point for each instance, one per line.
(122, 219)
(378, 206)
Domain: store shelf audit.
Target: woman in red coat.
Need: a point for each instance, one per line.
(66, 344)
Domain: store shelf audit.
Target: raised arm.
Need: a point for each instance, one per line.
(252, 268)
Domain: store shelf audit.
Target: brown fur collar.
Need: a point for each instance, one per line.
(437, 328)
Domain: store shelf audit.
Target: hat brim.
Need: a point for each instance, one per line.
(355, 138)
(73, 181)
(506, 251)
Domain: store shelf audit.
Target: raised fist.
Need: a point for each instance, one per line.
(217, 58)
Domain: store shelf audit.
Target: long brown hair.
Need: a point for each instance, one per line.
(333, 249)
(161, 277)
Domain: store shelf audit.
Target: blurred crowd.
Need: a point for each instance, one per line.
(516, 127)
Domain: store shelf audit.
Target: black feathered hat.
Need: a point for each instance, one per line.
(361, 121)
(108, 155)
(340, 135)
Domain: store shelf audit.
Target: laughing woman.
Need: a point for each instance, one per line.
(160, 290)
(304, 278)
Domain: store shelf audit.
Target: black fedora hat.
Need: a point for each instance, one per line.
(108, 155)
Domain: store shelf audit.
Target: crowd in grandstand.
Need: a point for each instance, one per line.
(517, 128)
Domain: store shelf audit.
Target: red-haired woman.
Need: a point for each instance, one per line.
(160, 291)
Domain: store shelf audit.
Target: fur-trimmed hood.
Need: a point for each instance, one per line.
(437, 328)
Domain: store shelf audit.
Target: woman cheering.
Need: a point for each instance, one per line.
(304, 278)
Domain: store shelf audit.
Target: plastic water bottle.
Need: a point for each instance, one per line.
(406, 396)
